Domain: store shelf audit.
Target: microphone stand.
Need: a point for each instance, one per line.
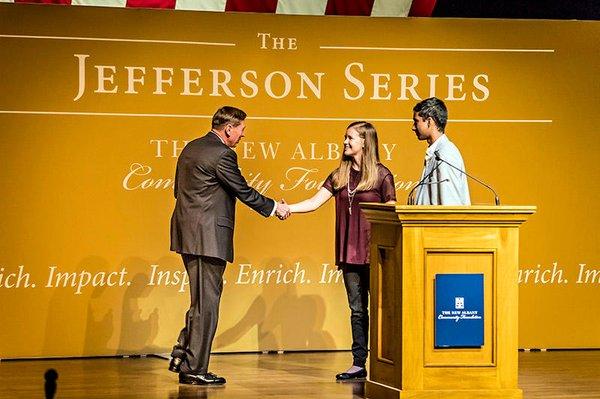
(410, 199)
(438, 158)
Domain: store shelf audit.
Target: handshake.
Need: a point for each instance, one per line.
(283, 210)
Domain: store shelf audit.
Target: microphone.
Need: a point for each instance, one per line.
(429, 183)
(50, 385)
(410, 200)
(441, 160)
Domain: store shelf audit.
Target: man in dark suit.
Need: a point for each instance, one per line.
(207, 183)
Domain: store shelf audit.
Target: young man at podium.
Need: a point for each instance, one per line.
(443, 181)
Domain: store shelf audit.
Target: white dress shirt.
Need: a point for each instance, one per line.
(446, 185)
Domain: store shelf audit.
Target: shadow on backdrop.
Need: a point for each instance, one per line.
(99, 325)
(67, 316)
(282, 318)
(137, 333)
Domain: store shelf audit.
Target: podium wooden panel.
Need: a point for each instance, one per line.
(409, 246)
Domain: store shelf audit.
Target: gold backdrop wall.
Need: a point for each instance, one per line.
(96, 104)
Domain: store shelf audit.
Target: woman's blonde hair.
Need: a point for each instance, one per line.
(370, 159)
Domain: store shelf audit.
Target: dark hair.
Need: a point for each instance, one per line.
(227, 114)
(435, 109)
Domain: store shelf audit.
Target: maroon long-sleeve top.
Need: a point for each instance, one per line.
(352, 230)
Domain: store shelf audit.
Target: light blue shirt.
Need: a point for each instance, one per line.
(446, 185)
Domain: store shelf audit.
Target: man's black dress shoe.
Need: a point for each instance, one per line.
(175, 364)
(362, 373)
(201, 379)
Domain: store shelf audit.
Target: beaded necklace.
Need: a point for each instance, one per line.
(351, 193)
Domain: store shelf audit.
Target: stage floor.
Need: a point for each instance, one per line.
(555, 374)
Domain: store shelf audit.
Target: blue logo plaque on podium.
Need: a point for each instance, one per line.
(458, 310)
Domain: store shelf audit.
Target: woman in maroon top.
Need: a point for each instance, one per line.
(359, 178)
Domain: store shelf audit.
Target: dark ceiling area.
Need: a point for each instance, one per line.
(548, 9)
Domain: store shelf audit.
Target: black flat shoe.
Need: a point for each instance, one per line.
(362, 373)
(201, 379)
(175, 364)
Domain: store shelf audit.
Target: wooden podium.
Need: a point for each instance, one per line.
(409, 246)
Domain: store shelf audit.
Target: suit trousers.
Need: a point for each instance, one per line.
(356, 281)
(195, 339)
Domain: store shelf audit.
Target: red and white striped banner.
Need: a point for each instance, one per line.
(375, 8)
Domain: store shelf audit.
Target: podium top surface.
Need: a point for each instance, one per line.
(396, 213)
(527, 209)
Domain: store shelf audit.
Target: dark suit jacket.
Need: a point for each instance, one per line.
(207, 183)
